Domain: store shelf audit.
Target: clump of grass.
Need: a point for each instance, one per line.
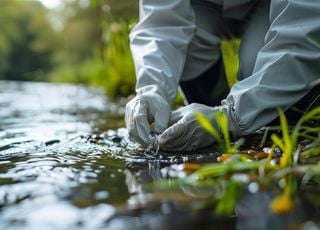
(266, 173)
(289, 142)
(289, 147)
(120, 78)
(224, 144)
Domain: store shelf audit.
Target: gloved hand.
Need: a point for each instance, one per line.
(141, 111)
(185, 133)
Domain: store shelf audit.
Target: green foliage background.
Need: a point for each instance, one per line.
(25, 53)
(91, 47)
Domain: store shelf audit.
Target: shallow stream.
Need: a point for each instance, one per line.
(67, 163)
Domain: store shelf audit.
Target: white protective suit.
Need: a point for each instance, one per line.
(175, 41)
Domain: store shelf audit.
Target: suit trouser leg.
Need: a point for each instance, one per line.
(210, 87)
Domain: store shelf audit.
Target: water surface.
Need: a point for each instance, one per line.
(67, 163)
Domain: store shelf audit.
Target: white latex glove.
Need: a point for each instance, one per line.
(144, 109)
(185, 134)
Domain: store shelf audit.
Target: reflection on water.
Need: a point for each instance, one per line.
(66, 163)
(48, 169)
(61, 164)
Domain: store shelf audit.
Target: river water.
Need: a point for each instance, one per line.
(67, 163)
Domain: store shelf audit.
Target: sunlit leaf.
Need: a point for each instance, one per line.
(206, 125)
(218, 169)
(285, 131)
(230, 57)
(277, 140)
(313, 114)
(222, 121)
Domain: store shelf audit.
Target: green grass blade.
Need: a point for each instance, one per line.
(277, 140)
(222, 121)
(285, 131)
(207, 126)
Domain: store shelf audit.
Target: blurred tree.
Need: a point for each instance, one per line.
(82, 33)
(26, 40)
(99, 48)
(116, 10)
(90, 45)
(116, 17)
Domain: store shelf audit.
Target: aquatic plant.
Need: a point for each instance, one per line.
(289, 146)
(229, 178)
(224, 144)
(289, 143)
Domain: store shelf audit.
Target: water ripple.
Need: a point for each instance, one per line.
(63, 155)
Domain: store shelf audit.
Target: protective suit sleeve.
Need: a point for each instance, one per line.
(159, 44)
(285, 69)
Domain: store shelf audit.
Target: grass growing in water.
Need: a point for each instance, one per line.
(230, 178)
(223, 141)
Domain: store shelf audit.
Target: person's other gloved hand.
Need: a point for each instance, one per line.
(144, 109)
(185, 133)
